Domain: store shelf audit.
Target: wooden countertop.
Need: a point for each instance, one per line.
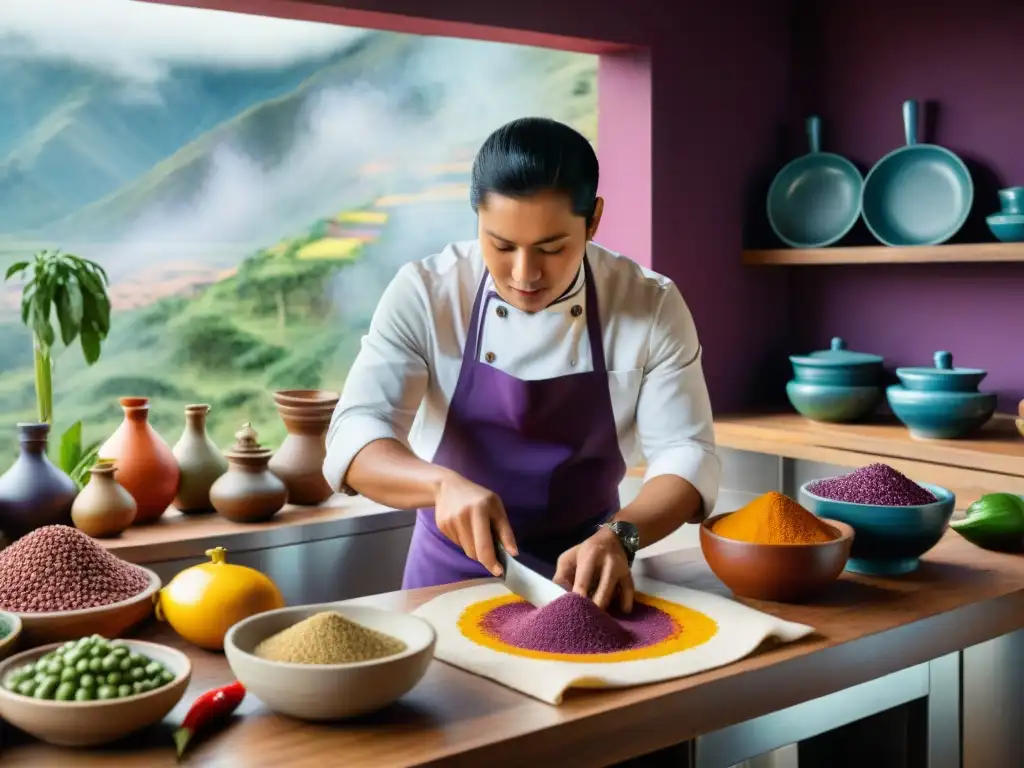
(993, 460)
(867, 627)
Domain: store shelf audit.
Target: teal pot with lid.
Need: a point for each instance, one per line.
(1008, 224)
(943, 402)
(835, 385)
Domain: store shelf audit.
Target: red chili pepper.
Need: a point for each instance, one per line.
(210, 706)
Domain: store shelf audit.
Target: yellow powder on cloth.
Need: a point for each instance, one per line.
(328, 638)
(773, 519)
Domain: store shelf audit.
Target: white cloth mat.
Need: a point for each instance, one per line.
(740, 631)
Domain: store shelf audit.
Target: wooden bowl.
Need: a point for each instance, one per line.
(8, 642)
(90, 723)
(106, 620)
(783, 573)
(325, 692)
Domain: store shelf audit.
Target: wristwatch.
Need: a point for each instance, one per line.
(628, 535)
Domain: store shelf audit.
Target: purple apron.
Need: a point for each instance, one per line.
(548, 448)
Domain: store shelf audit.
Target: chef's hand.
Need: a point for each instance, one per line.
(470, 515)
(600, 561)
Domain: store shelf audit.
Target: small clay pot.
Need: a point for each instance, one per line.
(200, 461)
(103, 509)
(248, 492)
(146, 466)
(305, 398)
(300, 459)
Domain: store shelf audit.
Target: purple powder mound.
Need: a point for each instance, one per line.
(874, 484)
(573, 624)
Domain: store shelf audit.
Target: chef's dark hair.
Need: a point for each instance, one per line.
(535, 154)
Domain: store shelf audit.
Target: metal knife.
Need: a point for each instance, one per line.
(524, 581)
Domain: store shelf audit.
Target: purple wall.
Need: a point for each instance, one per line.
(856, 61)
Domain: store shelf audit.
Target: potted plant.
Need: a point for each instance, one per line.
(74, 291)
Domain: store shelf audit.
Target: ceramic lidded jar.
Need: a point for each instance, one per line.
(248, 492)
(103, 509)
(146, 468)
(941, 403)
(835, 385)
(1008, 224)
(33, 492)
(200, 462)
(300, 459)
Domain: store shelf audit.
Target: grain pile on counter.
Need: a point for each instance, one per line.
(573, 624)
(773, 519)
(92, 668)
(328, 638)
(58, 568)
(877, 484)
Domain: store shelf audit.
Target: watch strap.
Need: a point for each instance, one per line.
(628, 537)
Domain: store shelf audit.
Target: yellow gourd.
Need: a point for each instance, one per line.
(202, 602)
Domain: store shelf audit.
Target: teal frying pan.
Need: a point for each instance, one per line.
(815, 200)
(919, 194)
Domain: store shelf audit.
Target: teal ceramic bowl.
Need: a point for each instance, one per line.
(1007, 227)
(888, 540)
(940, 415)
(833, 404)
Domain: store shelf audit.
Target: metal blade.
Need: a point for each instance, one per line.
(526, 582)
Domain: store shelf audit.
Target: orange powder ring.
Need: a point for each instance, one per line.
(692, 628)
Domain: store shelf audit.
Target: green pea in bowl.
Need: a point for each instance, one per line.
(87, 692)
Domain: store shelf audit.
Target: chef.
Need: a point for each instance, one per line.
(505, 382)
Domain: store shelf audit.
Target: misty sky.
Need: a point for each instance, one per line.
(150, 37)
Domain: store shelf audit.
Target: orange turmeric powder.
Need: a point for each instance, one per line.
(773, 519)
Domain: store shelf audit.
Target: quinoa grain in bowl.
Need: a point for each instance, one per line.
(59, 568)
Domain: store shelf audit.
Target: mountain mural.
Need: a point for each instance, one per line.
(249, 216)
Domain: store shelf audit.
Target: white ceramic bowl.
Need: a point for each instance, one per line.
(8, 642)
(330, 691)
(90, 723)
(106, 620)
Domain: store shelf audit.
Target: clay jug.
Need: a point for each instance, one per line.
(200, 462)
(248, 492)
(299, 461)
(103, 508)
(146, 468)
(33, 492)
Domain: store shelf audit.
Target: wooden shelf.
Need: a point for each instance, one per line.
(991, 461)
(974, 253)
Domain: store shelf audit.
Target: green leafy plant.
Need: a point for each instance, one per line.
(74, 458)
(74, 291)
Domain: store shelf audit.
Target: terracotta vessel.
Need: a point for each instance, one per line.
(146, 468)
(33, 492)
(299, 461)
(103, 509)
(200, 462)
(248, 492)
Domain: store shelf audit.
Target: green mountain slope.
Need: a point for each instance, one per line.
(70, 135)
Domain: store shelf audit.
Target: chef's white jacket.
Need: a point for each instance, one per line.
(404, 376)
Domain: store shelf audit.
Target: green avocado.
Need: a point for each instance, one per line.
(995, 522)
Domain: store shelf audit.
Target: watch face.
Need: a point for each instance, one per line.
(629, 533)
